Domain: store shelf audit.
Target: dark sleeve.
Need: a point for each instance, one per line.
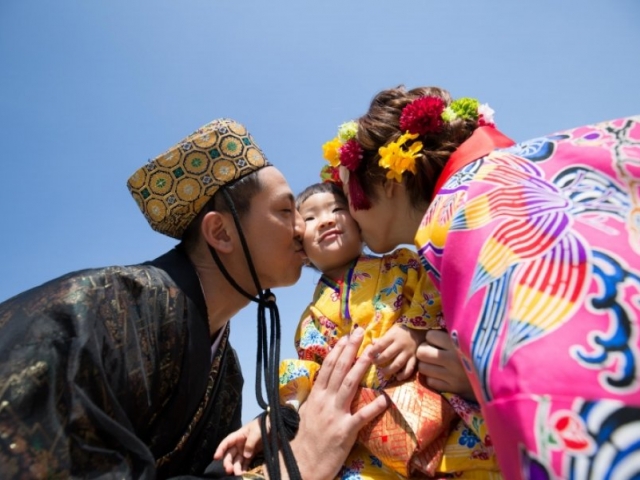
(76, 364)
(215, 470)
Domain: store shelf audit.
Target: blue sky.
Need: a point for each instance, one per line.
(90, 90)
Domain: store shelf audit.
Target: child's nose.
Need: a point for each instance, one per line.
(327, 221)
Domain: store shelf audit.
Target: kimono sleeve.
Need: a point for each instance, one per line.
(296, 376)
(422, 308)
(62, 412)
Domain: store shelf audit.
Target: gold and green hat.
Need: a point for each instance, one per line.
(172, 188)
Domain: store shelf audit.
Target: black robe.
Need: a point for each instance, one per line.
(109, 372)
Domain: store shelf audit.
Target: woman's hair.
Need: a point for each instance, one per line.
(241, 192)
(322, 187)
(381, 125)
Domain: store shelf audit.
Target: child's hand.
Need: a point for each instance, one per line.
(239, 447)
(395, 352)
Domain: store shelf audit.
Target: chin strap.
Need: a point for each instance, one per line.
(283, 423)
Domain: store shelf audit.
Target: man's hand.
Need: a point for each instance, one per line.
(328, 429)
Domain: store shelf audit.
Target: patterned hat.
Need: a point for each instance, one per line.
(172, 188)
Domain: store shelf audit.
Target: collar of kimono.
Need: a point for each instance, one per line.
(481, 142)
(342, 287)
(177, 264)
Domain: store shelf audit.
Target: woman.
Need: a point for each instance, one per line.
(535, 250)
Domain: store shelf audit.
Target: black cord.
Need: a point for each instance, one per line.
(267, 362)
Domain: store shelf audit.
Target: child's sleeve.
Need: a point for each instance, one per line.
(296, 376)
(422, 308)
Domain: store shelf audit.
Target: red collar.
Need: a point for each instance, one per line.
(482, 141)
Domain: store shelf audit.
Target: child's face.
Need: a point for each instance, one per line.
(331, 237)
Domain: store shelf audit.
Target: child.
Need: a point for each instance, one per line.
(388, 297)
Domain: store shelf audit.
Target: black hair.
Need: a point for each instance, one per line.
(241, 191)
(321, 187)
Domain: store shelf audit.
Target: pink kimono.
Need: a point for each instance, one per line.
(536, 252)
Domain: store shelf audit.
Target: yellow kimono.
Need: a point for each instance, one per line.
(421, 435)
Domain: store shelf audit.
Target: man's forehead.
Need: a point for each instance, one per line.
(273, 181)
(283, 193)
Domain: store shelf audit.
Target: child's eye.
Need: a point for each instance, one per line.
(308, 219)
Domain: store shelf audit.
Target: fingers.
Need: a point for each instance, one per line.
(348, 387)
(390, 352)
(437, 384)
(370, 411)
(240, 466)
(253, 443)
(442, 367)
(324, 374)
(342, 377)
(430, 364)
(228, 462)
(431, 355)
(396, 365)
(234, 463)
(330, 399)
(408, 369)
(380, 346)
(225, 445)
(439, 339)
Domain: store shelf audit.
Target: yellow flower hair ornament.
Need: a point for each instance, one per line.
(397, 158)
(331, 151)
(344, 154)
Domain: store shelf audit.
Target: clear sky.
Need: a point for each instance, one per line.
(89, 90)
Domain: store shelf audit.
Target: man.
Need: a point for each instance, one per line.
(127, 372)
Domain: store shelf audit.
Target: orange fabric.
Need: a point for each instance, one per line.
(410, 435)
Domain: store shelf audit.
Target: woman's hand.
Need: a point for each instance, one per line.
(328, 429)
(438, 361)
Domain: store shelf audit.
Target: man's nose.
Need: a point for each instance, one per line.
(298, 225)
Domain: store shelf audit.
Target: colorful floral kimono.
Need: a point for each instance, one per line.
(109, 373)
(421, 435)
(536, 252)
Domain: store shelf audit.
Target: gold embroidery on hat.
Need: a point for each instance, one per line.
(171, 189)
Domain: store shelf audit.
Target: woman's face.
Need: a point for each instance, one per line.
(376, 223)
(391, 221)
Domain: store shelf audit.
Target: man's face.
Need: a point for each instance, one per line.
(273, 229)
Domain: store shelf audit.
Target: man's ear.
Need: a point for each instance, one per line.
(214, 231)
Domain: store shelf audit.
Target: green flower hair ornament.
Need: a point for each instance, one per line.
(347, 131)
(465, 108)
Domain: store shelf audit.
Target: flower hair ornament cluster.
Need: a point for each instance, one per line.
(344, 155)
(423, 116)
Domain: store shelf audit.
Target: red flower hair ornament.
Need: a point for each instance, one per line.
(345, 154)
(422, 116)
